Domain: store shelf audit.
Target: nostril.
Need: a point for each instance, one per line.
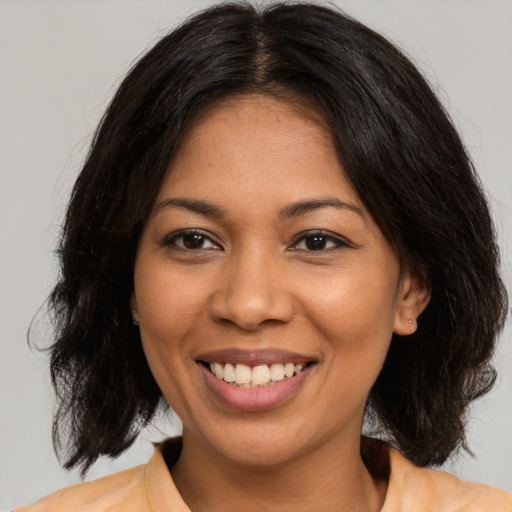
(250, 309)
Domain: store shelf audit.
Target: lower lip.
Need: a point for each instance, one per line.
(254, 399)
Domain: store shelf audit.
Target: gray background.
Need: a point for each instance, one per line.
(60, 62)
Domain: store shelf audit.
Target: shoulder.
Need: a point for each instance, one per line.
(141, 489)
(428, 490)
(122, 491)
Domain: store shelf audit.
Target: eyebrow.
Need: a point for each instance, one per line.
(303, 207)
(194, 205)
(292, 210)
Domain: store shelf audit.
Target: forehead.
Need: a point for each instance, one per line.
(257, 146)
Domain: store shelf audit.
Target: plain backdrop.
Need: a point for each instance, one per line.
(60, 62)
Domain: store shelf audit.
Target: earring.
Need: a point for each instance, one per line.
(411, 321)
(135, 321)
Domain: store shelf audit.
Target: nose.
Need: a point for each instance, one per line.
(253, 290)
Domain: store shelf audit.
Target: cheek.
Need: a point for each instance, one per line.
(355, 314)
(353, 299)
(169, 302)
(166, 320)
(170, 307)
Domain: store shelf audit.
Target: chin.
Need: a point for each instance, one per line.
(260, 446)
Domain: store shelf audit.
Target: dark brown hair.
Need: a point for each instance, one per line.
(400, 151)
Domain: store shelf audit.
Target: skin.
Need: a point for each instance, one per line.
(253, 282)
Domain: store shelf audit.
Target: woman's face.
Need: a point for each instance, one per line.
(259, 261)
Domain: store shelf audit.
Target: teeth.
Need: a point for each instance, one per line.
(245, 376)
(260, 374)
(289, 369)
(277, 372)
(242, 374)
(229, 372)
(217, 369)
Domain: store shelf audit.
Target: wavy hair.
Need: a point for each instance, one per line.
(400, 151)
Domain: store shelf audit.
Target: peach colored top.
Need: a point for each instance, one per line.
(150, 488)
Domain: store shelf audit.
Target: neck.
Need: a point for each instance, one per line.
(329, 478)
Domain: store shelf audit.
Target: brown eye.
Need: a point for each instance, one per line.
(316, 241)
(193, 241)
(190, 240)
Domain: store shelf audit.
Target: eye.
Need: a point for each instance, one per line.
(318, 241)
(190, 240)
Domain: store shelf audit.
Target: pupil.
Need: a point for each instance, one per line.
(193, 241)
(315, 243)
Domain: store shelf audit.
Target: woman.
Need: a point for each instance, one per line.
(278, 233)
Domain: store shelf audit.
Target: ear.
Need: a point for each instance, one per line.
(134, 309)
(413, 297)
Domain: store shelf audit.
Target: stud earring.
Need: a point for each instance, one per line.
(411, 321)
(135, 320)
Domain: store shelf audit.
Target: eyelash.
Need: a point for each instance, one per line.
(337, 241)
(170, 240)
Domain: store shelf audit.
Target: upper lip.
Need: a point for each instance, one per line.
(254, 357)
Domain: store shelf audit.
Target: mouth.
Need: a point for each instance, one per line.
(258, 376)
(254, 380)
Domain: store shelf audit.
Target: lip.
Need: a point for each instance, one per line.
(254, 399)
(254, 357)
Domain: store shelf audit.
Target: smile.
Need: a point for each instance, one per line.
(244, 376)
(254, 380)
